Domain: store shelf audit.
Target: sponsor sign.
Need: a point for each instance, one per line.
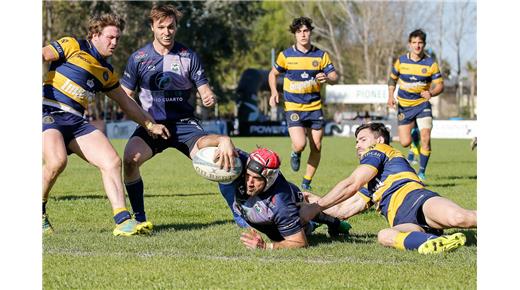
(356, 94)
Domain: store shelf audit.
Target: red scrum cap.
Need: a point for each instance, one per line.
(265, 162)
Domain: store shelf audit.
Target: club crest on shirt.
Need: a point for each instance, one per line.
(315, 63)
(400, 117)
(47, 120)
(424, 70)
(176, 68)
(257, 208)
(294, 117)
(304, 75)
(90, 83)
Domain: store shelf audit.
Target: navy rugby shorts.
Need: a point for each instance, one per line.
(71, 126)
(184, 135)
(411, 211)
(306, 119)
(407, 115)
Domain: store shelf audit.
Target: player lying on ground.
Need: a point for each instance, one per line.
(416, 215)
(268, 202)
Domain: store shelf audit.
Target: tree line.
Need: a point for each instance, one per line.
(363, 38)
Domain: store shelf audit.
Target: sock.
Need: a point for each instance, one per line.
(326, 219)
(411, 155)
(423, 160)
(135, 190)
(228, 192)
(44, 207)
(121, 215)
(416, 137)
(299, 154)
(307, 180)
(411, 240)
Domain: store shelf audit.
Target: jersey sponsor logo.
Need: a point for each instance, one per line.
(80, 56)
(304, 75)
(47, 120)
(151, 68)
(413, 78)
(302, 85)
(76, 90)
(413, 85)
(315, 63)
(140, 55)
(257, 208)
(162, 80)
(294, 117)
(184, 52)
(170, 99)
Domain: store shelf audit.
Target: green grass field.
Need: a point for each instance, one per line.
(196, 243)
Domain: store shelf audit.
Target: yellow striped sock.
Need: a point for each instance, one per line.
(399, 240)
(118, 210)
(307, 177)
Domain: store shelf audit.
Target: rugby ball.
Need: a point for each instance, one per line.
(205, 167)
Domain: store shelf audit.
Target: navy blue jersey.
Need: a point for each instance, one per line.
(166, 81)
(273, 212)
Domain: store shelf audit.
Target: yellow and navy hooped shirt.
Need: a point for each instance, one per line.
(300, 89)
(413, 77)
(394, 180)
(76, 76)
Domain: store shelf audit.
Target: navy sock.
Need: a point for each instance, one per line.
(135, 192)
(122, 216)
(44, 207)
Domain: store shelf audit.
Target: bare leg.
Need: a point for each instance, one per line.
(136, 153)
(298, 139)
(315, 138)
(97, 150)
(441, 213)
(54, 158)
(405, 137)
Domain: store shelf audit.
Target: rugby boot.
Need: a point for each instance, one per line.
(145, 228)
(126, 228)
(46, 225)
(295, 161)
(442, 244)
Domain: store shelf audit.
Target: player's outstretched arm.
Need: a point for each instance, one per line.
(226, 153)
(254, 240)
(342, 191)
(136, 113)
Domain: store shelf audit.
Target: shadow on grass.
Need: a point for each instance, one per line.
(472, 177)
(79, 197)
(189, 226)
(471, 237)
(321, 238)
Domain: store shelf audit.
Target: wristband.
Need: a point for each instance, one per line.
(148, 125)
(269, 246)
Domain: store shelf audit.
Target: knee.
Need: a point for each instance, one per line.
(316, 148)
(130, 162)
(111, 163)
(464, 219)
(386, 237)
(299, 146)
(56, 165)
(405, 142)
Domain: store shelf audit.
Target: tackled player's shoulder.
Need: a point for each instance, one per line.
(383, 148)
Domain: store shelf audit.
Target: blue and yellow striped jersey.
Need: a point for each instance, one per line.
(413, 78)
(395, 178)
(300, 89)
(76, 76)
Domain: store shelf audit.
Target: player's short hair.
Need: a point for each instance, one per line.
(299, 22)
(417, 33)
(378, 129)
(98, 22)
(161, 11)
